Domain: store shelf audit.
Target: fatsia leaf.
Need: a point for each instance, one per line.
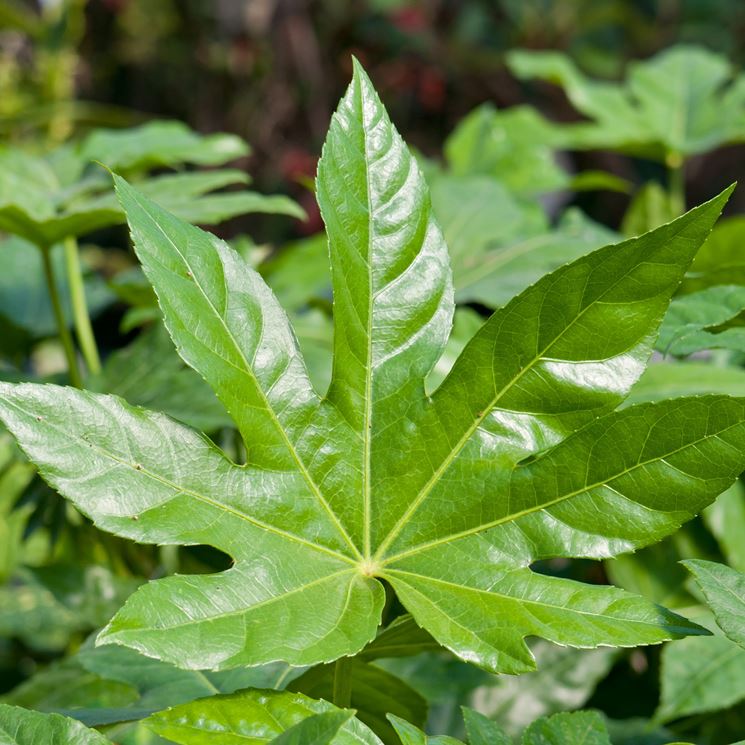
(23, 727)
(254, 716)
(724, 590)
(157, 144)
(647, 114)
(449, 498)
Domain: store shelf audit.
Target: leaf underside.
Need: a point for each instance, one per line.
(518, 456)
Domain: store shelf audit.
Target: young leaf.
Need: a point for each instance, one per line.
(22, 727)
(450, 497)
(253, 716)
(724, 590)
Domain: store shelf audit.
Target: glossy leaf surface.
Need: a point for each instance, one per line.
(252, 716)
(449, 497)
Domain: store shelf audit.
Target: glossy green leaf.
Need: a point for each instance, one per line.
(647, 114)
(724, 590)
(700, 675)
(696, 322)
(22, 727)
(251, 716)
(158, 144)
(449, 497)
(576, 728)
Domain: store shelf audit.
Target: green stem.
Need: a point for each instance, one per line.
(676, 184)
(83, 328)
(342, 691)
(59, 317)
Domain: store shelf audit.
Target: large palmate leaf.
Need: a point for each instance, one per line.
(681, 102)
(448, 497)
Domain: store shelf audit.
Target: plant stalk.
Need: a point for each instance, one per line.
(81, 317)
(59, 317)
(342, 690)
(676, 185)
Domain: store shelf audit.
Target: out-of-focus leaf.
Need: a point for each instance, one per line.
(401, 638)
(466, 323)
(650, 208)
(498, 245)
(300, 272)
(669, 380)
(45, 606)
(149, 373)
(565, 680)
(253, 716)
(24, 299)
(693, 322)
(725, 518)
(638, 731)
(375, 694)
(724, 590)
(158, 144)
(698, 675)
(515, 146)
(649, 114)
(653, 572)
(721, 259)
(23, 727)
(189, 196)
